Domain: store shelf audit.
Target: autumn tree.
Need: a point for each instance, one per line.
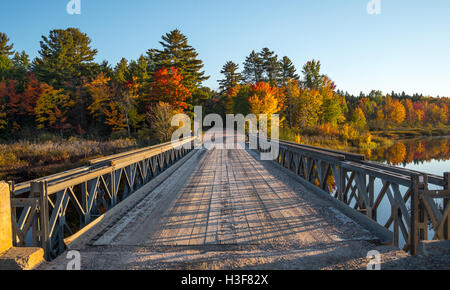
(7, 91)
(101, 94)
(419, 111)
(333, 105)
(308, 108)
(121, 72)
(167, 87)
(66, 60)
(359, 119)
(52, 109)
(394, 110)
(265, 99)
(21, 105)
(410, 112)
(160, 118)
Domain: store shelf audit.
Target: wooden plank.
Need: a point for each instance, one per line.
(198, 233)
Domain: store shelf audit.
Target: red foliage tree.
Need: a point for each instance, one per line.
(167, 87)
(23, 104)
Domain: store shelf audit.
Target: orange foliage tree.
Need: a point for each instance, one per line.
(265, 99)
(114, 104)
(167, 87)
(394, 110)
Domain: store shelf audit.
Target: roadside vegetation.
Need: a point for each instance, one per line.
(24, 160)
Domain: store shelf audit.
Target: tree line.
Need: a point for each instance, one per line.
(65, 91)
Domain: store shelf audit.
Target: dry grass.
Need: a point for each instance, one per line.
(24, 160)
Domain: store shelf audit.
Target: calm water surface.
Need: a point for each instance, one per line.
(427, 155)
(430, 155)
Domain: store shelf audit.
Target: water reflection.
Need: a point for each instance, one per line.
(414, 151)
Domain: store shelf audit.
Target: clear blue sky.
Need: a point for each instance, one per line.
(405, 48)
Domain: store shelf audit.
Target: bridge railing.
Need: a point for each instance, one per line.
(419, 203)
(47, 210)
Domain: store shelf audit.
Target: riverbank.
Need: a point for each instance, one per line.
(404, 133)
(377, 140)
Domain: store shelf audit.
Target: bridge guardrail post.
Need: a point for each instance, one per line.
(419, 215)
(39, 189)
(447, 203)
(414, 232)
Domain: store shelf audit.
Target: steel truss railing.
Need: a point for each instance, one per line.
(415, 208)
(47, 210)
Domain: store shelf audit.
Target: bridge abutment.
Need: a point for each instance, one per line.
(5, 218)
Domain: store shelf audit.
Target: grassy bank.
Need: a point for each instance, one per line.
(25, 160)
(340, 139)
(404, 133)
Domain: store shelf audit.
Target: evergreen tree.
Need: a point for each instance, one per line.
(232, 77)
(201, 96)
(139, 69)
(179, 54)
(312, 78)
(5, 49)
(253, 68)
(271, 66)
(121, 72)
(104, 68)
(66, 62)
(21, 63)
(5, 53)
(288, 70)
(65, 57)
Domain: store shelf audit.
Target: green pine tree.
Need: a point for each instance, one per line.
(253, 68)
(121, 72)
(65, 58)
(6, 50)
(312, 78)
(179, 54)
(231, 74)
(288, 71)
(271, 66)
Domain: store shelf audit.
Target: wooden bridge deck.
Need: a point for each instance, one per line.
(224, 209)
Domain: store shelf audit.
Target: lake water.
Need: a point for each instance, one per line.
(427, 155)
